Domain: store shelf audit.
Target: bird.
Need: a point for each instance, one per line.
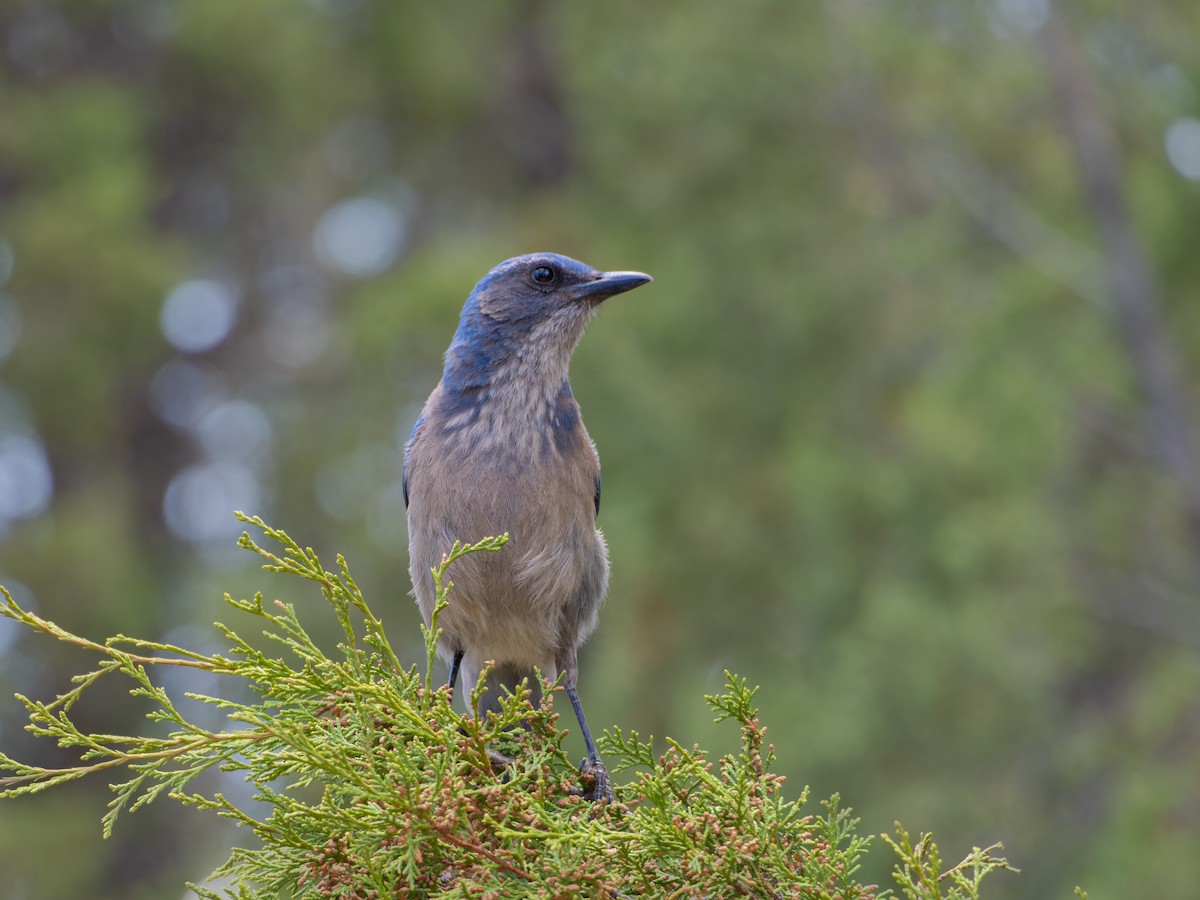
(500, 447)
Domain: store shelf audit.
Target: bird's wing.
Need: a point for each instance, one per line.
(408, 451)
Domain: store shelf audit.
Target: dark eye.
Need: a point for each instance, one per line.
(543, 275)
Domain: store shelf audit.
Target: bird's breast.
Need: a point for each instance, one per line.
(511, 463)
(507, 460)
(517, 428)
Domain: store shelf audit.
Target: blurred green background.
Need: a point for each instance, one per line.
(902, 431)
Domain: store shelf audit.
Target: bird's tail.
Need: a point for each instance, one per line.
(506, 677)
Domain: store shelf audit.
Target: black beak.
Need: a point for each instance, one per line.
(608, 284)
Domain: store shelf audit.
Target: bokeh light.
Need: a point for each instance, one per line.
(26, 483)
(198, 314)
(1182, 144)
(198, 503)
(362, 236)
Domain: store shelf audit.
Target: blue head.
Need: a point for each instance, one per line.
(526, 316)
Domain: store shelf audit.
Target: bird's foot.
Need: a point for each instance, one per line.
(597, 785)
(499, 761)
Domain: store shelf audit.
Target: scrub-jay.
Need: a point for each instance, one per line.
(500, 447)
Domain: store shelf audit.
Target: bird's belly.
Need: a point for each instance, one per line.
(511, 605)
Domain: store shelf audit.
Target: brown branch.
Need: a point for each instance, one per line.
(1130, 279)
(483, 851)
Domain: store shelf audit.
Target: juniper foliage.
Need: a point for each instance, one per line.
(376, 787)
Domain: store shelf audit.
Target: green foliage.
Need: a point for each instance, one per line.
(376, 787)
(919, 872)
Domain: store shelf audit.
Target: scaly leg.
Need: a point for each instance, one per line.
(601, 785)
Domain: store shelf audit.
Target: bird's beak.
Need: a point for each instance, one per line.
(608, 284)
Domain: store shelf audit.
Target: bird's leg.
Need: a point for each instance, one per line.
(499, 761)
(454, 666)
(593, 766)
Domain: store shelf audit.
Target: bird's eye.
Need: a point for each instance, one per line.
(542, 275)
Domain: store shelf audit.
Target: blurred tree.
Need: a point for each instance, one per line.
(883, 380)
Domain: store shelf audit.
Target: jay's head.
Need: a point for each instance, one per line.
(531, 309)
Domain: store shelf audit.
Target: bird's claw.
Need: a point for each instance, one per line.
(499, 761)
(597, 784)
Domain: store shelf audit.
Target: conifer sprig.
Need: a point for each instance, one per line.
(373, 786)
